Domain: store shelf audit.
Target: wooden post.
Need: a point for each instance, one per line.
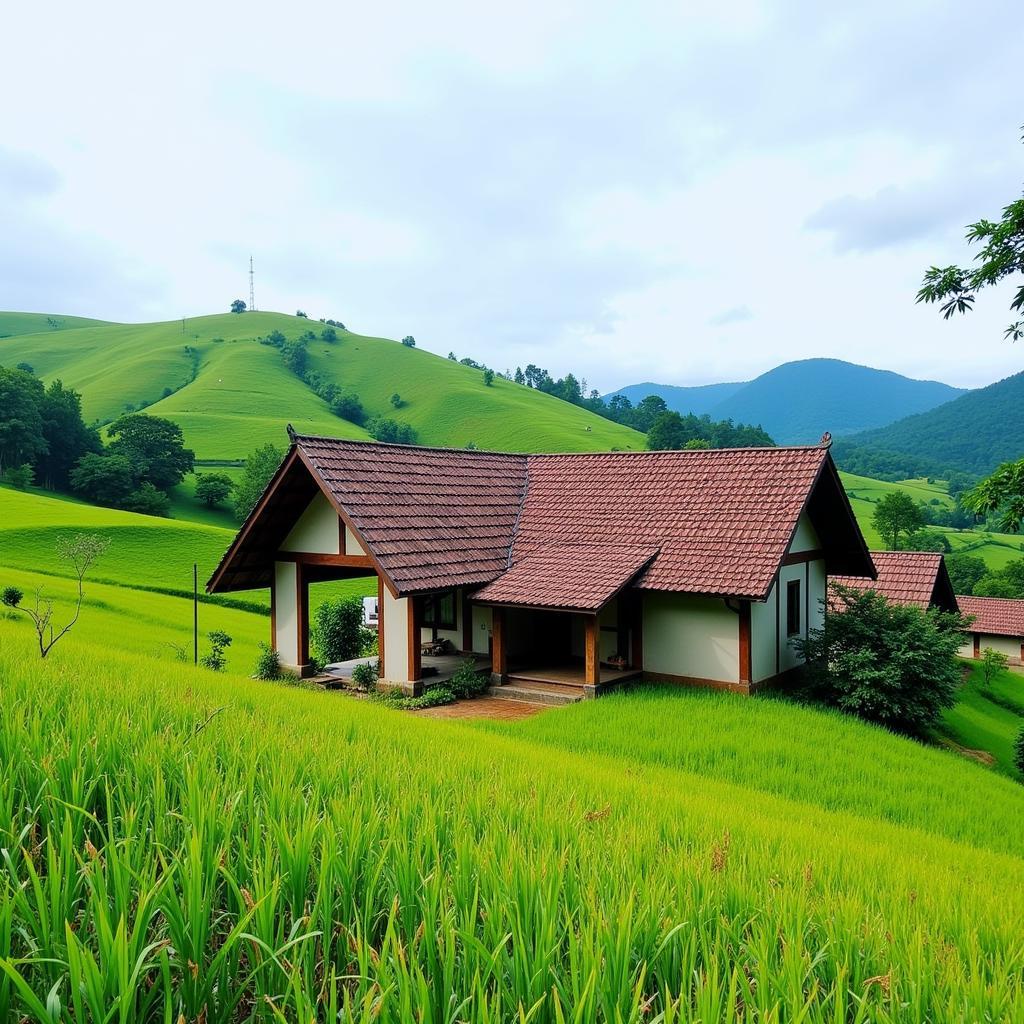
(415, 651)
(467, 624)
(977, 645)
(592, 659)
(499, 647)
(746, 675)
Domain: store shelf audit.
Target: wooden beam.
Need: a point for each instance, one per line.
(798, 557)
(467, 624)
(380, 628)
(977, 645)
(341, 536)
(746, 675)
(592, 656)
(499, 646)
(316, 558)
(414, 605)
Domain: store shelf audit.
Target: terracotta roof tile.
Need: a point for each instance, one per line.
(1000, 616)
(904, 577)
(578, 577)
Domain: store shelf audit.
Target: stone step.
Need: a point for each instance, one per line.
(534, 694)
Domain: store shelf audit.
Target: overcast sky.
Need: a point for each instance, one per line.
(678, 192)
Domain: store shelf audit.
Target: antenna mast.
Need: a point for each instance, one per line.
(252, 293)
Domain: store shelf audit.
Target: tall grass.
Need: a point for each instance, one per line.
(182, 845)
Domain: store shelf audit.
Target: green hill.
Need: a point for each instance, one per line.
(972, 434)
(230, 393)
(12, 324)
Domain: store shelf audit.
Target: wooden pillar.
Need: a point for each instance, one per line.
(592, 655)
(380, 626)
(415, 605)
(467, 624)
(977, 645)
(302, 617)
(746, 675)
(499, 646)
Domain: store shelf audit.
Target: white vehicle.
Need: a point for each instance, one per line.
(370, 612)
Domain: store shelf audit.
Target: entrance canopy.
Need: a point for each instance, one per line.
(568, 577)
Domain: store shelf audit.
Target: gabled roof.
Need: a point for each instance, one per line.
(1000, 616)
(573, 577)
(907, 577)
(721, 521)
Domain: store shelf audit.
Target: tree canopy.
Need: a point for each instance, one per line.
(895, 514)
(154, 448)
(260, 466)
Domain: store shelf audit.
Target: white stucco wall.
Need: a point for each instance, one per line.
(1008, 645)
(768, 633)
(396, 637)
(316, 530)
(763, 638)
(286, 617)
(805, 538)
(691, 636)
(352, 545)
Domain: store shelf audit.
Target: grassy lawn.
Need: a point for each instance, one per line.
(277, 854)
(989, 718)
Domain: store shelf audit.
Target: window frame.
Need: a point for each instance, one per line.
(432, 613)
(793, 610)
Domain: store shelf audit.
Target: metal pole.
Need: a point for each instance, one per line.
(195, 613)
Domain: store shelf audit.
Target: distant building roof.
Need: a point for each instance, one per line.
(1000, 616)
(907, 577)
(716, 522)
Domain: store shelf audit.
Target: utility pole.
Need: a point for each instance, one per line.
(252, 292)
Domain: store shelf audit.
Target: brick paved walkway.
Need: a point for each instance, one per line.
(484, 707)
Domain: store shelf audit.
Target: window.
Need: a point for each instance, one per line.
(439, 610)
(793, 608)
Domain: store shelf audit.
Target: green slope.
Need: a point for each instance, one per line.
(12, 324)
(229, 393)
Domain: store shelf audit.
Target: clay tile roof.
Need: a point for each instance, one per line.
(1000, 616)
(432, 517)
(720, 520)
(577, 577)
(906, 577)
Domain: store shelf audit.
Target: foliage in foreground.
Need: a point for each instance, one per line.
(300, 857)
(887, 663)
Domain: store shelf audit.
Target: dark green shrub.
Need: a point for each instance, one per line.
(1018, 751)
(337, 633)
(11, 597)
(268, 663)
(215, 658)
(20, 476)
(467, 681)
(364, 675)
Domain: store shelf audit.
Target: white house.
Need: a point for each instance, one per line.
(581, 570)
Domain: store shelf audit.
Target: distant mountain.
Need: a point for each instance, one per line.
(699, 400)
(798, 401)
(973, 434)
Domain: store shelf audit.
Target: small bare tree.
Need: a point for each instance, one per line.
(79, 551)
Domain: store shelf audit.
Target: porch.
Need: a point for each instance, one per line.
(434, 669)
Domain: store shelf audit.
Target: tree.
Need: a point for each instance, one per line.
(1005, 582)
(329, 334)
(896, 513)
(19, 476)
(79, 551)
(260, 466)
(1018, 752)
(21, 418)
(66, 434)
(396, 400)
(409, 341)
(238, 306)
(148, 501)
(383, 429)
(153, 447)
(888, 663)
(215, 659)
(348, 407)
(213, 489)
(965, 571)
(105, 479)
(520, 377)
(302, 313)
(26, 367)
(488, 377)
(992, 663)
(1001, 257)
(925, 540)
(667, 432)
(696, 443)
(337, 633)
(1002, 492)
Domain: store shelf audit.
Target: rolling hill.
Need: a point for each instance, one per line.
(972, 433)
(230, 393)
(798, 401)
